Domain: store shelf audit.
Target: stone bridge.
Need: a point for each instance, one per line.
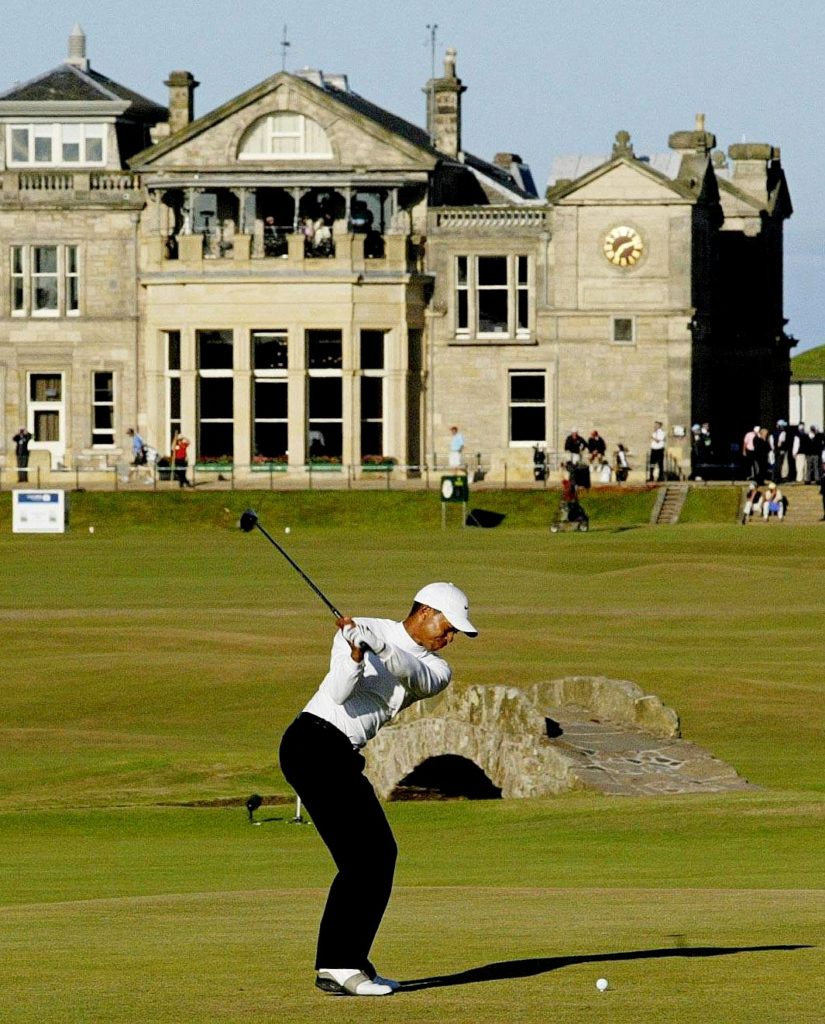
(580, 732)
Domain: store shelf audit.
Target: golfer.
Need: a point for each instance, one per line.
(377, 667)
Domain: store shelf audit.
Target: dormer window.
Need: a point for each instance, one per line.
(56, 145)
(285, 136)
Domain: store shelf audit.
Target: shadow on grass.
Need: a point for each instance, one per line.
(545, 964)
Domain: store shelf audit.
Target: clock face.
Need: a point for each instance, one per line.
(623, 246)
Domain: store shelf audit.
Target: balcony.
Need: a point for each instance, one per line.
(485, 218)
(343, 253)
(69, 188)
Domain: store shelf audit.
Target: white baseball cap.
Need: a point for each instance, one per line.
(451, 602)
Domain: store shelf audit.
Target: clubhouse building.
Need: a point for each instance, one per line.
(300, 276)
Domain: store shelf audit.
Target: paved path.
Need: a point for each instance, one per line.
(621, 760)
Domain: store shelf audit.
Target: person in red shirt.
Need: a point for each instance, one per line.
(180, 447)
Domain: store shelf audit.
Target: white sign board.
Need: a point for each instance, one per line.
(39, 512)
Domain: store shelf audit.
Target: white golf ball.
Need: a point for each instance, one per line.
(287, 530)
(91, 529)
(601, 984)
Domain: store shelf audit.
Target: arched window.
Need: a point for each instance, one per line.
(284, 136)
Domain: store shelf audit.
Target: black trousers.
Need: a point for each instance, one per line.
(319, 762)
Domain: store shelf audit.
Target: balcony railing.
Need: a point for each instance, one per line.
(461, 218)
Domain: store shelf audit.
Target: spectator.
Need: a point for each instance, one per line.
(657, 452)
(748, 451)
(180, 449)
(574, 445)
(774, 502)
(596, 447)
(21, 450)
(822, 492)
(779, 441)
(797, 450)
(622, 464)
(811, 446)
(753, 503)
(138, 451)
(456, 447)
(761, 455)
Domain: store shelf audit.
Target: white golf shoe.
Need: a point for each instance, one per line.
(349, 982)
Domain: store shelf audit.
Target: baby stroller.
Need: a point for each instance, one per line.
(569, 514)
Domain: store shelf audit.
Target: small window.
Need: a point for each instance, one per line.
(269, 350)
(215, 350)
(103, 409)
(324, 350)
(372, 350)
(528, 407)
(623, 330)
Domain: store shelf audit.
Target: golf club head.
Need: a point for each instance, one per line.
(248, 520)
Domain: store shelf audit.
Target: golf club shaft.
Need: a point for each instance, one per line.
(300, 571)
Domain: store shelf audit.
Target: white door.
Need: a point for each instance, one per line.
(46, 415)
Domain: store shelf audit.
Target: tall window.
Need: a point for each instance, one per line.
(528, 407)
(103, 409)
(372, 392)
(325, 415)
(56, 145)
(215, 398)
(492, 296)
(45, 280)
(171, 341)
(270, 419)
(283, 136)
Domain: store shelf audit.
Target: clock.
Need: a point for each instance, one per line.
(623, 246)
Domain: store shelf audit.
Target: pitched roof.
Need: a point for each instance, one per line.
(70, 84)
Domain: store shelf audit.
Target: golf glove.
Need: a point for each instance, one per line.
(368, 639)
(350, 634)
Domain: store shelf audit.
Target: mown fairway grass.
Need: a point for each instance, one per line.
(154, 664)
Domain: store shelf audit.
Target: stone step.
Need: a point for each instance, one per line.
(804, 505)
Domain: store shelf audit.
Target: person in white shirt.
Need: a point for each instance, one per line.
(657, 451)
(377, 668)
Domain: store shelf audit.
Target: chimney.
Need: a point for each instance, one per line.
(751, 164)
(77, 49)
(444, 108)
(181, 85)
(699, 142)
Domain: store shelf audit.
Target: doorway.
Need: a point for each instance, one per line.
(46, 415)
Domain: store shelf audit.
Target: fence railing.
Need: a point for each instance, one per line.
(277, 476)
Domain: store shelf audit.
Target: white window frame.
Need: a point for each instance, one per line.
(97, 403)
(87, 133)
(23, 280)
(270, 131)
(279, 376)
(313, 372)
(380, 374)
(614, 320)
(517, 287)
(525, 372)
(222, 373)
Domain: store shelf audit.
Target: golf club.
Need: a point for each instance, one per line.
(248, 522)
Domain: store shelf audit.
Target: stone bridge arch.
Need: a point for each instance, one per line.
(585, 732)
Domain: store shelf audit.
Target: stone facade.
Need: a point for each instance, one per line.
(446, 291)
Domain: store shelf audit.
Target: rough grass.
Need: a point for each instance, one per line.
(156, 662)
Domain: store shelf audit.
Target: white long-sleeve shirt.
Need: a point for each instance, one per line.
(360, 697)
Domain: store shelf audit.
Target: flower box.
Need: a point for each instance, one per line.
(324, 467)
(377, 467)
(213, 467)
(269, 467)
